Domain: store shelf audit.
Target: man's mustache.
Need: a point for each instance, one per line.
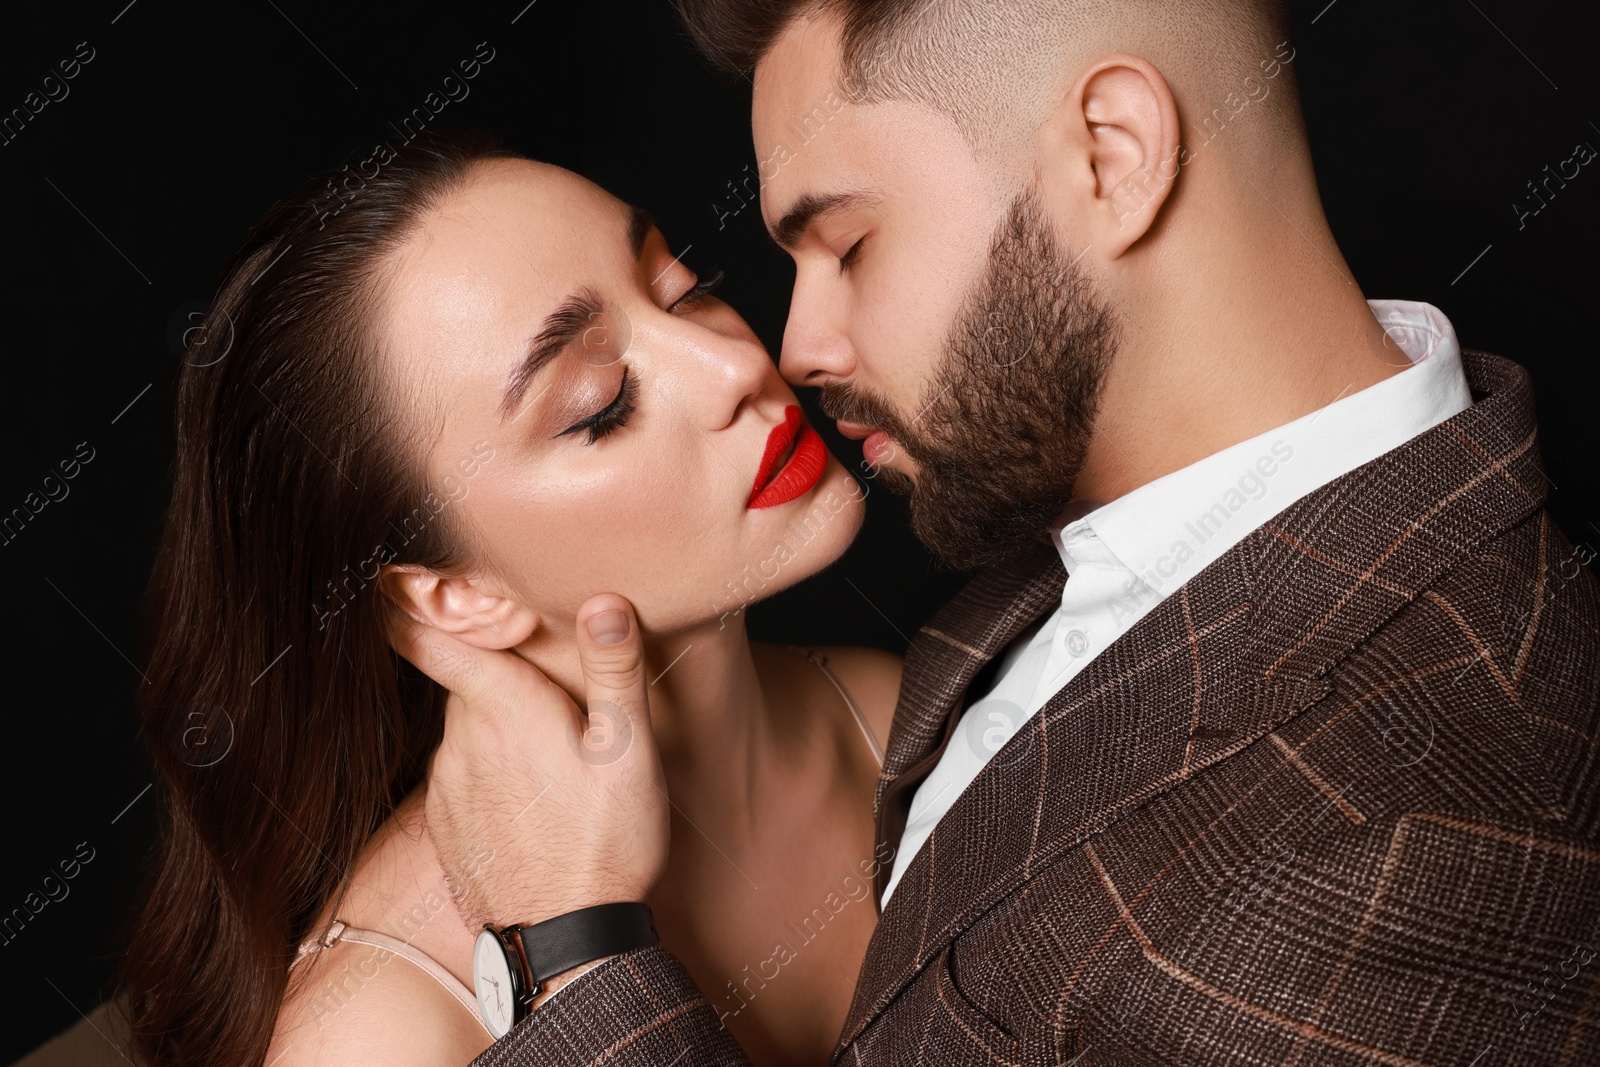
(843, 402)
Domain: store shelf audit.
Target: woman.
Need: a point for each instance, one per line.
(480, 391)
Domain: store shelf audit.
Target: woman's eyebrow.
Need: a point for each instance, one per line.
(561, 327)
(640, 223)
(566, 323)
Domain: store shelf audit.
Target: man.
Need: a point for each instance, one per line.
(1267, 732)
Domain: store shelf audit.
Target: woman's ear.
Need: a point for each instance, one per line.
(465, 608)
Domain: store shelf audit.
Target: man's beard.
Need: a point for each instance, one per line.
(1003, 438)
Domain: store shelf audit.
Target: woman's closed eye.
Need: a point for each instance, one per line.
(699, 291)
(613, 416)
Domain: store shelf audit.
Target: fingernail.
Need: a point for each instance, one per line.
(608, 627)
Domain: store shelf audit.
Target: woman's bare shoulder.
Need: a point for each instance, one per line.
(357, 1004)
(872, 678)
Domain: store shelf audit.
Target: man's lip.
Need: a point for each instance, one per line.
(855, 430)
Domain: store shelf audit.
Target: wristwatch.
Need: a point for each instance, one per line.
(511, 965)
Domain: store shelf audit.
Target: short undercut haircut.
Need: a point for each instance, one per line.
(976, 60)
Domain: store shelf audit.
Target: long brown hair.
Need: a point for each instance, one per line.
(284, 729)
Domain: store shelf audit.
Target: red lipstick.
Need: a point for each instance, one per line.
(802, 469)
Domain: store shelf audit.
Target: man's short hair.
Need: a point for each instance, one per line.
(975, 59)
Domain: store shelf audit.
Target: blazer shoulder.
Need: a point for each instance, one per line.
(1487, 683)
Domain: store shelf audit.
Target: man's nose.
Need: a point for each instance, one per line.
(816, 347)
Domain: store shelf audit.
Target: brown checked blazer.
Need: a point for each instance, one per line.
(1332, 802)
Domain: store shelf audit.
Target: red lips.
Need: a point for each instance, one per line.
(803, 469)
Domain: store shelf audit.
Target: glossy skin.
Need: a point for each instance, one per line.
(769, 776)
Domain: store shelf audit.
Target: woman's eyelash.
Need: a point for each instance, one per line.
(613, 416)
(847, 260)
(701, 289)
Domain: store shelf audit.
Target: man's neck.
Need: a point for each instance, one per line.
(1197, 377)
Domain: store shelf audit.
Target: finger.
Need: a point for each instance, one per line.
(486, 679)
(615, 695)
(453, 664)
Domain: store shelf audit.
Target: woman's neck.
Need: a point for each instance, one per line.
(712, 721)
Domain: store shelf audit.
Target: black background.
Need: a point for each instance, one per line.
(124, 199)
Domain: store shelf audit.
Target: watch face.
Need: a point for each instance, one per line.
(491, 978)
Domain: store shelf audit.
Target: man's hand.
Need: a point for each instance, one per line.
(538, 808)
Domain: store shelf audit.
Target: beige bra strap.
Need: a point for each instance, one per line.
(340, 932)
(821, 660)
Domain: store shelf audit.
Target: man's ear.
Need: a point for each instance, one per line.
(1114, 148)
(466, 608)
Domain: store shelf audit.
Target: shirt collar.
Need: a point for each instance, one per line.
(1149, 528)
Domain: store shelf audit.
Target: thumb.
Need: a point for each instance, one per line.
(612, 652)
(453, 664)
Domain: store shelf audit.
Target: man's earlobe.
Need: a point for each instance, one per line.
(465, 608)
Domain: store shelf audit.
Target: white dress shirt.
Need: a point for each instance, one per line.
(1125, 557)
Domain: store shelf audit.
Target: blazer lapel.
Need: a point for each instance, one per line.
(1164, 702)
(1236, 652)
(940, 664)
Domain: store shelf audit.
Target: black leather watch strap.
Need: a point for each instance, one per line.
(576, 938)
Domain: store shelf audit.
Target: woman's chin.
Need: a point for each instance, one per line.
(789, 542)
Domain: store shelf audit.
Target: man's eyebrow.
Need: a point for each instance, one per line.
(561, 327)
(789, 228)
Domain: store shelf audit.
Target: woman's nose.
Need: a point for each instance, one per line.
(728, 372)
